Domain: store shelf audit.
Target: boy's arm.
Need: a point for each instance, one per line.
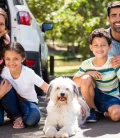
(77, 80)
(93, 74)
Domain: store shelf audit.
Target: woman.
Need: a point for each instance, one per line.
(7, 93)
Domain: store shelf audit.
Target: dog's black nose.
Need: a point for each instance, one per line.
(62, 94)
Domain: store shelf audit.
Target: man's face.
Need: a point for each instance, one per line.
(114, 19)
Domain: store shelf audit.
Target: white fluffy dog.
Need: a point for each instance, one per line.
(64, 109)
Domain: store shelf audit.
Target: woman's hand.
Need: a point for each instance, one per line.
(5, 87)
(6, 36)
(7, 39)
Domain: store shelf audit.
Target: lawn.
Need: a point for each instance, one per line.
(65, 67)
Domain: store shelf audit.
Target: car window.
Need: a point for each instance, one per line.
(18, 2)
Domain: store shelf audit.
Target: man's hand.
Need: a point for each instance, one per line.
(115, 61)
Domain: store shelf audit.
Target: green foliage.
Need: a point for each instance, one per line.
(73, 19)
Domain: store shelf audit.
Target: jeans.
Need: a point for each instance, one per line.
(104, 101)
(31, 112)
(16, 107)
(9, 104)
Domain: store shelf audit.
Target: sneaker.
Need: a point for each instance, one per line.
(93, 116)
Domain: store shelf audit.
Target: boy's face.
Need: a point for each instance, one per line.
(100, 47)
(114, 19)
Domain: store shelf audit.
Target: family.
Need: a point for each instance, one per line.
(98, 77)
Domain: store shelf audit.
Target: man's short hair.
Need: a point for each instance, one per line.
(101, 33)
(115, 4)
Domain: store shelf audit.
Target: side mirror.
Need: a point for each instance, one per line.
(47, 26)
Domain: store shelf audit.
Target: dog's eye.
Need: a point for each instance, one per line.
(67, 89)
(58, 88)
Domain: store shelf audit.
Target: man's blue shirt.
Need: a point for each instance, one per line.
(115, 50)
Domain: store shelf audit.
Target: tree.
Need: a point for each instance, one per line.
(72, 22)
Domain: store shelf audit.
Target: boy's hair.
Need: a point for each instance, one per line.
(17, 47)
(115, 4)
(100, 33)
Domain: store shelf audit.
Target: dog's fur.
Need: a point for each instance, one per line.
(64, 109)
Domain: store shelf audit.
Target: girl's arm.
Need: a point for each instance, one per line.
(5, 87)
(44, 86)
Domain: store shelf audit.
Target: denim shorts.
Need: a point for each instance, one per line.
(104, 101)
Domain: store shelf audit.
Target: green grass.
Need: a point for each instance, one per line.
(66, 68)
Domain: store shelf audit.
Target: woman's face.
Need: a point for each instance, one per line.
(2, 24)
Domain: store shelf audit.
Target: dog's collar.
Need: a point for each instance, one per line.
(58, 106)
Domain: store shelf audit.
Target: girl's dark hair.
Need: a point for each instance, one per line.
(100, 33)
(17, 47)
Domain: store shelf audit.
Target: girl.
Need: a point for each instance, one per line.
(6, 90)
(23, 80)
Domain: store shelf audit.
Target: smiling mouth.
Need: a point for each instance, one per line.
(117, 24)
(62, 99)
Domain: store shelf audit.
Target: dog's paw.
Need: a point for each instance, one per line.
(62, 135)
(50, 134)
(77, 129)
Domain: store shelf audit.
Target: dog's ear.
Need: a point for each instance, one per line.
(75, 89)
(48, 92)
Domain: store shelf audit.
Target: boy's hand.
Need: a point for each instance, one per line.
(83, 113)
(115, 61)
(5, 87)
(95, 74)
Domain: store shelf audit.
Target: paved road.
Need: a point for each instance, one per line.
(104, 128)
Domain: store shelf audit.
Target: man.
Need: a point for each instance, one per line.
(113, 17)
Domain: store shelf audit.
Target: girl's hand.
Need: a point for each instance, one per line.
(115, 61)
(5, 87)
(95, 74)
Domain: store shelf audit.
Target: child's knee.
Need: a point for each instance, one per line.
(115, 114)
(86, 80)
(33, 118)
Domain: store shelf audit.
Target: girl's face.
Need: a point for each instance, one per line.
(13, 60)
(2, 24)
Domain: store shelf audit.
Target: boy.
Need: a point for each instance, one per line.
(97, 71)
